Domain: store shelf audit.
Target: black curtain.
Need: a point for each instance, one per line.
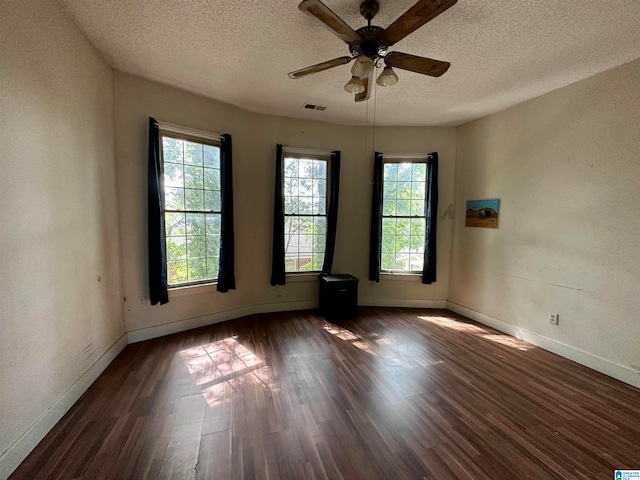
(375, 244)
(277, 258)
(156, 232)
(332, 214)
(429, 267)
(226, 272)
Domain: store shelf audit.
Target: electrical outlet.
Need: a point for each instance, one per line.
(141, 301)
(554, 318)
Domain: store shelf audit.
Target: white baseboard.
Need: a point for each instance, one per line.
(22, 447)
(156, 331)
(399, 302)
(599, 364)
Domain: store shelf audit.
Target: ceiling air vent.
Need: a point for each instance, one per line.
(311, 106)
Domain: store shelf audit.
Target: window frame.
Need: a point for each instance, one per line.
(400, 159)
(201, 137)
(306, 154)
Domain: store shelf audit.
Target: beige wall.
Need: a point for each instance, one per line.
(59, 324)
(254, 140)
(567, 169)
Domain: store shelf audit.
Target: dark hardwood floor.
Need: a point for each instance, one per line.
(394, 394)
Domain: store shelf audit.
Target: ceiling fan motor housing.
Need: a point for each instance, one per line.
(371, 44)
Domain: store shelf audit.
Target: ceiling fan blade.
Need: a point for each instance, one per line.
(413, 63)
(319, 10)
(368, 86)
(414, 18)
(320, 67)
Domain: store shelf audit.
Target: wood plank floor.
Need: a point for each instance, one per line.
(394, 394)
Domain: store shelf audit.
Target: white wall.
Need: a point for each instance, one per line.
(567, 169)
(59, 324)
(254, 140)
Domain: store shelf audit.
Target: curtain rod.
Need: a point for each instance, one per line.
(406, 155)
(305, 151)
(179, 129)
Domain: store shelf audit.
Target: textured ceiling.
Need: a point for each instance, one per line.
(502, 52)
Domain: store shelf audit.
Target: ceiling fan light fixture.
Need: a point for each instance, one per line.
(355, 86)
(362, 66)
(387, 78)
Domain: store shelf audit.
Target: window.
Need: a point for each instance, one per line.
(192, 193)
(403, 215)
(305, 211)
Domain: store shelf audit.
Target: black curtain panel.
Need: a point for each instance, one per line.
(332, 214)
(158, 292)
(429, 267)
(277, 258)
(226, 272)
(375, 244)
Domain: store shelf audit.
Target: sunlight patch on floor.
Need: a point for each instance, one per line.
(224, 367)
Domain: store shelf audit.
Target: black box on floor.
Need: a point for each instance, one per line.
(338, 296)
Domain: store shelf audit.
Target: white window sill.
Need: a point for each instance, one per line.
(402, 277)
(192, 290)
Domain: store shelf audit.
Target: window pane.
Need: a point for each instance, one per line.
(403, 226)
(290, 167)
(196, 247)
(193, 177)
(417, 243)
(417, 190)
(305, 205)
(194, 199)
(211, 157)
(176, 272)
(417, 207)
(213, 224)
(173, 175)
(388, 260)
(195, 224)
(404, 172)
(172, 149)
(213, 246)
(291, 205)
(320, 225)
(193, 153)
(419, 173)
(417, 262)
(320, 169)
(403, 207)
(212, 179)
(212, 200)
(197, 269)
(291, 187)
(174, 198)
(176, 248)
(319, 243)
(174, 224)
(418, 227)
(404, 190)
(391, 172)
(319, 188)
(388, 244)
(389, 206)
(319, 206)
(388, 226)
(390, 190)
(212, 267)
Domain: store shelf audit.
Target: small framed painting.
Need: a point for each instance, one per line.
(482, 213)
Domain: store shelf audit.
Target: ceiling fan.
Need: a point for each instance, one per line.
(368, 45)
